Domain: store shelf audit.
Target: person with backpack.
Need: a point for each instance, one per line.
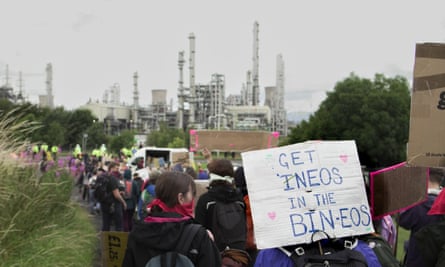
(111, 201)
(169, 231)
(130, 195)
(240, 181)
(415, 218)
(221, 209)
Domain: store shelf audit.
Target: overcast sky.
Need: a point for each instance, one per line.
(93, 44)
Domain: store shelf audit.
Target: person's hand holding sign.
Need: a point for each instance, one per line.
(207, 154)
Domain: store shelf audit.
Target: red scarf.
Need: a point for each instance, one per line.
(438, 207)
(185, 210)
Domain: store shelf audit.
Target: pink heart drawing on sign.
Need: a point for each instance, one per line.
(344, 158)
(272, 215)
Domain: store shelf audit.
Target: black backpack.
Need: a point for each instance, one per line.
(326, 252)
(228, 224)
(177, 258)
(430, 241)
(382, 250)
(102, 193)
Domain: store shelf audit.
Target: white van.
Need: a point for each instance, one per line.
(155, 157)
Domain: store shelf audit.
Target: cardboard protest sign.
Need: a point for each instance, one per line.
(232, 141)
(397, 188)
(426, 146)
(113, 248)
(298, 189)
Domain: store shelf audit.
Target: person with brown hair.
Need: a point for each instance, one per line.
(169, 221)
(235, 258)
(222, 209)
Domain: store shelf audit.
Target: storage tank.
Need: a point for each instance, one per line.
(159, 96)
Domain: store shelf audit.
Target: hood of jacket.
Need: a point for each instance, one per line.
(225, 193)
(162, 232)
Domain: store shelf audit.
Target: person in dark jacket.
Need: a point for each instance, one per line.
(171, 211)
(131, 197)
(416, 217)
(221, 188)
(114, 211)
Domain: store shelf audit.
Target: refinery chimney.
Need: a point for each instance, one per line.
(49, 86)
(135, 91)
(255, 68)
(280, 82)
(192, 79)
(134, 119)
(180, 114)
(249, 88)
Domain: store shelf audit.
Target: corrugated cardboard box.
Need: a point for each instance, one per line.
(426, 145)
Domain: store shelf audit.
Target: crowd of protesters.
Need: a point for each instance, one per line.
(150, 207)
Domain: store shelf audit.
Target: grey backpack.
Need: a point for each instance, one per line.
(177, 258)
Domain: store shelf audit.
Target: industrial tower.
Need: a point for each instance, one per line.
(255, 68)
(192, 101)
(279, 111)
(135, 120)
(181, 95)
(49, 86)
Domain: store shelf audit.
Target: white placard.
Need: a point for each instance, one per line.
(298, 189)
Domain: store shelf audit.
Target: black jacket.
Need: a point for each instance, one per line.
(147, 240)
(221, 193)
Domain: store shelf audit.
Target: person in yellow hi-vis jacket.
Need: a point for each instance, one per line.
(54, 151)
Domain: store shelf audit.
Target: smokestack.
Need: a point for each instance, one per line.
(280, 82)
(180, 114)
(192, 79)
(134, 119)
(49, 85)
(135, 91)
(249, 88)
(255, 69)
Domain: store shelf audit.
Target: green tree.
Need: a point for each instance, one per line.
(125, 139)
(96, 135)
(373, 113)
(165, 136)
(77, 124)
(55, 134)
(177, 143)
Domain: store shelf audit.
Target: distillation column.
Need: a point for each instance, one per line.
(134, 120)
(280, 114)
(180, 114)
(49, 86)
(192, 101)
(255, 69)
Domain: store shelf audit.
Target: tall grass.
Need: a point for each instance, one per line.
(39, 225)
